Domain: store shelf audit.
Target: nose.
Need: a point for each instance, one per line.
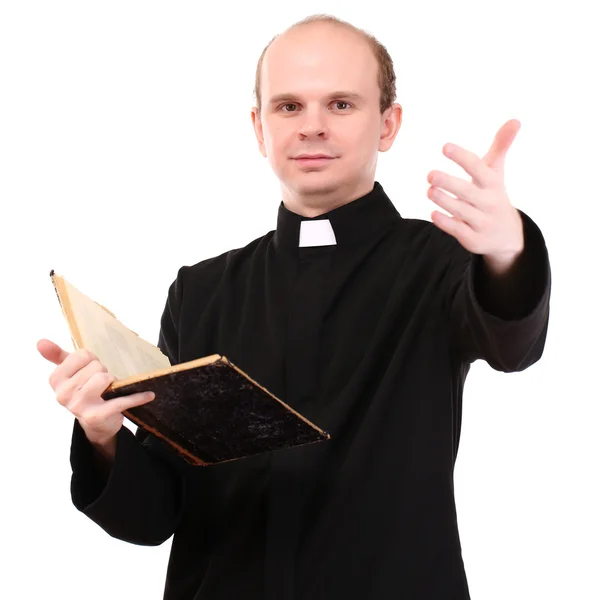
(313, 123)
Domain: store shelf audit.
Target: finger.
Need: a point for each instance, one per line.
(482, 175)
(455, 185)
(89, 397)
(101, 416)
(72, 364)
(67, 391)
(82, 376)
(118, 405)
(454, 227)
(51, 351)
(458, 208)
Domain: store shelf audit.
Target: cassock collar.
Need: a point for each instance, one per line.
(366, 216)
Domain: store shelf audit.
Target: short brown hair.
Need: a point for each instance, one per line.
(386, 76)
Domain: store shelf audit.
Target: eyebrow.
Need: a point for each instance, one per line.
(294, 97)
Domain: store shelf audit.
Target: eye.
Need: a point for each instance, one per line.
(294, 104)
(342, 102)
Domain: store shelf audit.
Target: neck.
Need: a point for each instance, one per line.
(314, 201)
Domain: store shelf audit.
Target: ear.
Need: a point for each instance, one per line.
(391, 120)
(258, 130)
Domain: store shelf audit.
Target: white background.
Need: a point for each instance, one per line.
(126, 151)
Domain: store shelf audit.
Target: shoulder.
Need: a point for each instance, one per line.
(209, 272)
(423, 238)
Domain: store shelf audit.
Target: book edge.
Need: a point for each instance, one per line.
(198, 362)
(65, 305)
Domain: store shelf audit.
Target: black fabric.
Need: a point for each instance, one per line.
(371, 339)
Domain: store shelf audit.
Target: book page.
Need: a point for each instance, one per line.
(120, 350)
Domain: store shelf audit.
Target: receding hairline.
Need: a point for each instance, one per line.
(314, 23)
(324, 22)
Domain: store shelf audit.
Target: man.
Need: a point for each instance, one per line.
(363, 321)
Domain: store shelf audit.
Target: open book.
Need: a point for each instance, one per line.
(207, 409)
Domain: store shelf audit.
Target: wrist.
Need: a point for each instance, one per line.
(104, 447)
(500, 265)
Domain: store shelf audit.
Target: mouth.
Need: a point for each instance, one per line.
(314, 162)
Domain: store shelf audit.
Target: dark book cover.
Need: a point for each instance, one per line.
(214, 413)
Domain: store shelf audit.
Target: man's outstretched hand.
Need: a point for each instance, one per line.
(483, 219)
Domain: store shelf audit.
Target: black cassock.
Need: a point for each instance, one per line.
(366, 323)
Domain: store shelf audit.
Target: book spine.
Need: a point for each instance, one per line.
(65, 305)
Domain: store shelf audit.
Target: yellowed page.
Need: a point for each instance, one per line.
(119, 349)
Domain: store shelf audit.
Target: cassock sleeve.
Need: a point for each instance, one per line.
(503, 321)
(140, 499)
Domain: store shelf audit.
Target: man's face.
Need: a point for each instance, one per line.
(302, 113)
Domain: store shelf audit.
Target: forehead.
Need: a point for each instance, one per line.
(319, 57)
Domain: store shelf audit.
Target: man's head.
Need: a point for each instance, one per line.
(298, 111)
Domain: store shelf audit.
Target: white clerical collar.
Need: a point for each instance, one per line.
(316, 233)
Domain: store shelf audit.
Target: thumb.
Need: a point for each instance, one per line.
(51, 351)
(496, 155)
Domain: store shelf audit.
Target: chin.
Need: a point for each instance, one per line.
(322, 184)
(313, 181)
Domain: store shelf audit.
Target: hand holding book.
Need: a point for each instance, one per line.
(79, 381)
